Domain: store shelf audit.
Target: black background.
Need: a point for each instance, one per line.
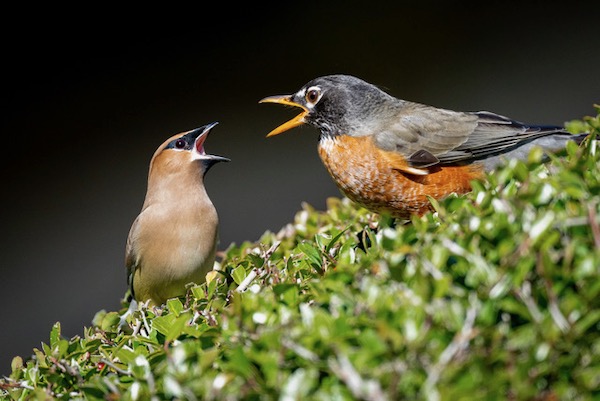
(89, 94)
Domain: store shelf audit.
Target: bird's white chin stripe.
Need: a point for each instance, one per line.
(199, 156)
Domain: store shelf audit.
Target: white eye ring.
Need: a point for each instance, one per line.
(313, 95)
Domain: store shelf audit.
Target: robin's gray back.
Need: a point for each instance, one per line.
(424, 135)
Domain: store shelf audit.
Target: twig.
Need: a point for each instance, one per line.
(432, 269)
(144, 307)
(272, 249)
(115, 368)
(148, 375)
(137, 327)
(559, 319)
(459, 343)
(255, 272)
(476, 260)
(246, 282)
(359, 387)
(300, 350)
(8, 383)
(593, 219)
(524, 293)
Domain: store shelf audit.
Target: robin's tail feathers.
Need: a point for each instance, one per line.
(552, 142)
(578, 138)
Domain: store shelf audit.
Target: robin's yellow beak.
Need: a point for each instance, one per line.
(286, 101)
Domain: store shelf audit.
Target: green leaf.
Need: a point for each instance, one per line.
(16, 363)
(126, 355)
(256, 260)
(311, 253)
(288, 293)
(55, 335)
(177, 327)
(175, 306)
(109, 321)
(238, 274)
(335, 240)
(40, 356)
(198, 291)
(239, 363)
(163, 324)
(586, 322)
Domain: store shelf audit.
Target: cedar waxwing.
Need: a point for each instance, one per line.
(173, 240)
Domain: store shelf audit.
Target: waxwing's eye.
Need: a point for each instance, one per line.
(313, 94)
(180, 143)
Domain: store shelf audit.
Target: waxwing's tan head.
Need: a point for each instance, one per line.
(186, 148)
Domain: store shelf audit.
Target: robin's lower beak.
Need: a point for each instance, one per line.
(286, 101)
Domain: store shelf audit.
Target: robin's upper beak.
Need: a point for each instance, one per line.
(286, 100)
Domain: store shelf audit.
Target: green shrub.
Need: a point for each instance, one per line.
(494, 296)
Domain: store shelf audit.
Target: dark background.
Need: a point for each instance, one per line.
(90, 94)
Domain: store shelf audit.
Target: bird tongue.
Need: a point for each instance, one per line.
(200, 143)
(199, 152)
(200, 139)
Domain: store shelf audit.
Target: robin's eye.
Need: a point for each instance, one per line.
(180, 144)
(313, 94)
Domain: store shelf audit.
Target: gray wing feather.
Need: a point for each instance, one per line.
(424, 128)
(450, 137)
(496, 134)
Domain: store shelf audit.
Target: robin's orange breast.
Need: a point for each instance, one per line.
(376, 179)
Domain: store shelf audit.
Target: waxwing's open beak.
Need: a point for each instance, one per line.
(286, 100)
(199, 152)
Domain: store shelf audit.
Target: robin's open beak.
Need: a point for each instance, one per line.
(286, 100)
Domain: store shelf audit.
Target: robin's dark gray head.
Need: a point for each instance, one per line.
(335, 104)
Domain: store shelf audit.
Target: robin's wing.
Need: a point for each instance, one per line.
(496, 134)
(422, 134)
(426, 136)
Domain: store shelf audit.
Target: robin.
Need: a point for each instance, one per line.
(389, 155)
(173, 240)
